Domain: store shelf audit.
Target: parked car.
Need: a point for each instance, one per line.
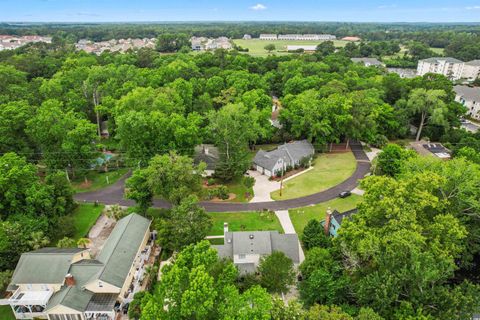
(345, 194)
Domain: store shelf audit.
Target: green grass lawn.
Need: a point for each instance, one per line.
(243, 221)
(329, 170)
(256, 46)
(97, 180)
(301, 216)
(85, 217)
(6, 313)
(216, 241)
(438, 50)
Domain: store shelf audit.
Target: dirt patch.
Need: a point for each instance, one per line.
(85, 184)
(99, 234)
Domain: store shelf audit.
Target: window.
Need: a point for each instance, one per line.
(100, 284)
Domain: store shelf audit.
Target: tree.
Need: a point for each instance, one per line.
(327, 313)
(325, 48)
(172, 42)
(83, 242)
(116, 212)
(314, 235)
(270, 47)
(66, 243)
(38, 240)
(469, 154)
(13, 119)
(139, 190)
(430, 106)
(174, 177)
(390, 160)
(187, 223)
(416, 244)
(233, 128)
(276, 272)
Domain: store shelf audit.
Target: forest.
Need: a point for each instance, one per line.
(411, 252)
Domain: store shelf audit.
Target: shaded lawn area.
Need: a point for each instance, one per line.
(236, 186)
(301, 216)
(256, 47)
(6, 313)
(244, 221)
(329, 170)
(216, 241)
(85, 217)
(97, 180)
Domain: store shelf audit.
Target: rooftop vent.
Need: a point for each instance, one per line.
(251, 237)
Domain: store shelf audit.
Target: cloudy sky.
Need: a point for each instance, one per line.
(236, 10)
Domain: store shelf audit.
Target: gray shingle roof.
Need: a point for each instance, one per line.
(371, 61)
(206, 153)
(47, 265)
(468, 93)
(259, 242)
(339, 216)
(291, 152)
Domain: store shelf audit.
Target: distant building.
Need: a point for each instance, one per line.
(471, 70)
(403, 72)
(268, 37)
(449, 67)
(470, 98)
(247, 37)
(8, 42)
(114, 45)
(246, 249)
(367, 62)
(287, 155)
(352, 39)
(304, 48)
(206, 44)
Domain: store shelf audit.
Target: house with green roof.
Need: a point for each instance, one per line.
(69, 284)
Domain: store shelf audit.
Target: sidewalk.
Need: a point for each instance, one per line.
(288, 228)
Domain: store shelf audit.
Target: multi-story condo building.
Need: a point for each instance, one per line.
(449, 67)
(470, 98)
(68, 284)
(471, 70)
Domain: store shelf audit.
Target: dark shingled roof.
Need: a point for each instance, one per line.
(291, 152)
(339, 216)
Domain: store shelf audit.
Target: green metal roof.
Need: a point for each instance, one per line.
(71, 297)
(47, 265)
(121, 247)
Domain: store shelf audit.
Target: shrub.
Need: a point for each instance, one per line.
(211, 182)
(222, 192)
(248, 182)
(305, 162)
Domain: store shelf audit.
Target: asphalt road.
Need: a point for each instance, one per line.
(114, 193)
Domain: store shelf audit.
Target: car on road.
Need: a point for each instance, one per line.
(344, 194)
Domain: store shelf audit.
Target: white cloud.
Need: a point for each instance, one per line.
(473, 8)
(258, 7)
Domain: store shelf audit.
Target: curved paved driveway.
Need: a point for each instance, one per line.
(114, 193)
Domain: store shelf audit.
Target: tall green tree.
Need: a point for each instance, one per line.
(276, 272)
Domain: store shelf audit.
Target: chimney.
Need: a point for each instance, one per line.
(328, 218)
(69, 280)
(225, 227)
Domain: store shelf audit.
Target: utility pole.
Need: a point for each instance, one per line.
(281, 181)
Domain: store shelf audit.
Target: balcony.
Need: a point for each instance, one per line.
(30, 298)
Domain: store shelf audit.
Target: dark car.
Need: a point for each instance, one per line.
(345, 194)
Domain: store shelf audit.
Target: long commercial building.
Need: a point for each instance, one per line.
(298, 37)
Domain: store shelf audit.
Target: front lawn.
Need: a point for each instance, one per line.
(6, 313)
(329, 170)
(85, 217)
(97, 180)
(301, 216)
(244, 221)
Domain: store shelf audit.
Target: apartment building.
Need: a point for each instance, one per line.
(449, 67)
(69, 284)
(470, 98)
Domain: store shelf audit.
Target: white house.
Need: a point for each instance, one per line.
(67, 284)
(305, 48)
(367, 62)
(470, 98)
(449, 67)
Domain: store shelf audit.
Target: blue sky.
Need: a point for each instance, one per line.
(236, 10)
